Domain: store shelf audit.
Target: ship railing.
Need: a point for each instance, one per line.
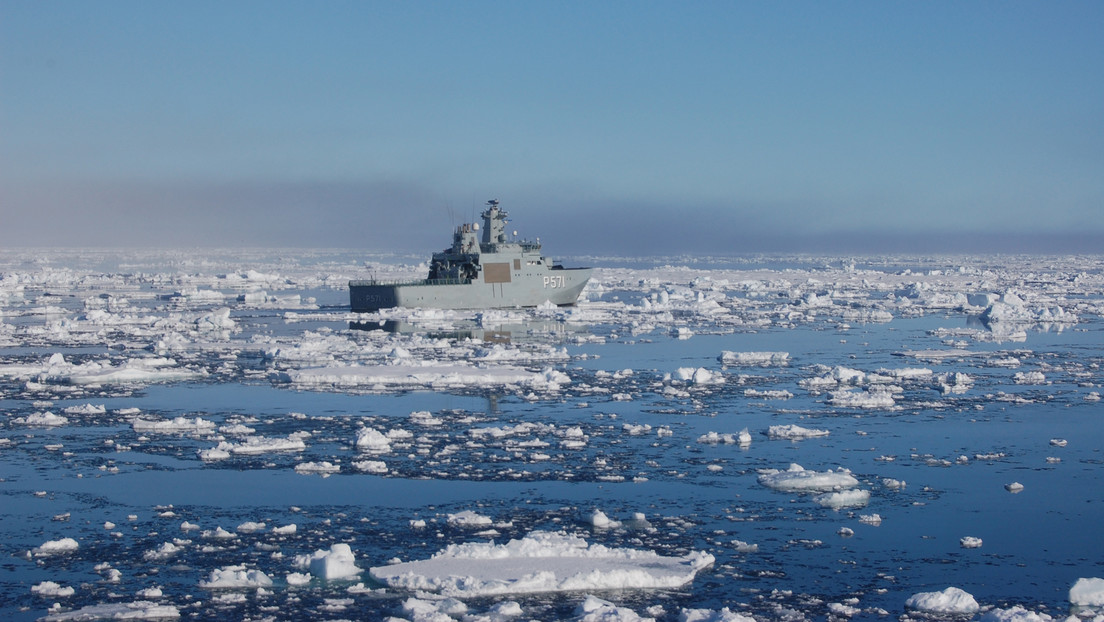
(377, 282)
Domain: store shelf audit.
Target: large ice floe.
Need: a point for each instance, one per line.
(540, 562)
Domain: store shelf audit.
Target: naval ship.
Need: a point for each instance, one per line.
(488, 273)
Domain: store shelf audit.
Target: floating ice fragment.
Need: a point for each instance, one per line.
(179, 424)
(1014, 487)
(744, 547)
(540, 562)
(43, 419)
(163, 552)
(1014, 614)
(594, 609)
(713, 438)
(371, 439)
(1087, 592)
(469, 519)
(52, 590)
(86, 409)
(138, 610)
(793, 432)
(337, 563)
(324, 467)
(599, 520)
(843, 499)
(56, 547)
(298, 578)
(1030, 377)
(236, 577)
(1058, 442)
(699, 375)
(797, 479)
(371, 466)
(950, 601)
(841, 609)
(875, 397)
(970, 542)
(760, 359)
(710, 615)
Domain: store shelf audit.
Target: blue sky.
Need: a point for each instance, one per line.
(624, 127)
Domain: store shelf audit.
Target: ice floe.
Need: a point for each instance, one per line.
(797, 479)
(540, 562)
(952, 600)
(338, 562)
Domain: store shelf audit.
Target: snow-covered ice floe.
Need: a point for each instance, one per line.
(798, 479)
(952, 601)
(428, 375)
(136, 610)
(540, 562)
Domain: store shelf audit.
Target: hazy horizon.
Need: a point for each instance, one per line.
(618, 128)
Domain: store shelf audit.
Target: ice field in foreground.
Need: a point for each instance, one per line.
(213, 435)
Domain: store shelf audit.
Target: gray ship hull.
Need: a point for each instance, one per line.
(559, 286)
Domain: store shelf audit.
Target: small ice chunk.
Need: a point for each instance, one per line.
(1014, 487)
(793, 432)
(55, 547)
(236, 577)
(371, 439)
(150, 593)
(1014, 614)
(337, 563)
(51, 589)
(371, 466)
(298, 578)
(599, 520)
(138, 610)
(970, 542)
(469, 519)
(952, 601)
(250, 527)
(844, 499)
(1087, 592)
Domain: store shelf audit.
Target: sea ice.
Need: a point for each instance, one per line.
(952, 601)
(1014, 614)
(44, 419)
(540, 562)
(708, 615)
(173, 426)
(760, 359)
(50, 589)
(843, 499)
(970, 542)
(337, 563)
(1087, 592)
(138, 610)
(236, 577)
(469, 519)
(55, 547)
(793, 432)
(797, 479)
